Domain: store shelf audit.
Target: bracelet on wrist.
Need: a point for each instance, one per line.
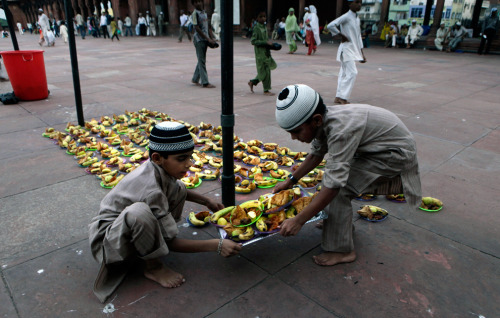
(219, 247)
(293, 179)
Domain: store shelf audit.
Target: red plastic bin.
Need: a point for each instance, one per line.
(26, 70)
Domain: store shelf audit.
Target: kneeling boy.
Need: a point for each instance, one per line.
(137, 219)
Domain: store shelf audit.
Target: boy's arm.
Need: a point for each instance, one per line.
(228, 247)
(203, 200)
(311, 162)
(292, 226)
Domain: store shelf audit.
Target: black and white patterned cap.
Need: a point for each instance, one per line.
(171, 138)
(294, 105)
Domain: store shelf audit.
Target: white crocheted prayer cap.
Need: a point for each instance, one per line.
(294, 105)
(170, 137)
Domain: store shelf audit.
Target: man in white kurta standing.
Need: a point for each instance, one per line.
(43, 22)
(216, 24)
(350, 50)
(20, 28)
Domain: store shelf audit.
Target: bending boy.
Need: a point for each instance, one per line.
(137, 219)
(370, 151)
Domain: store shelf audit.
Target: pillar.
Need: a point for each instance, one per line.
(133, 10)
(115, 4)
(383, 15)
(427, 14)
(302, 4)
(438, 13)
(338, 8)
(173, 12)
(475, 16)
(270, 23)
(242, 14)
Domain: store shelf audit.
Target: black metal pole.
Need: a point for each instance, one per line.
(8, 15)
(227, 117)
(68, 9)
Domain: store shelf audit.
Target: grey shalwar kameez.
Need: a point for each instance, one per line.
(135, 220)
(366, 146)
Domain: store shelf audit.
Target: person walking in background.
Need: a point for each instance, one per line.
(64, 31)
(143, 28)
(203, 37)
(128, 26)
(114, 29)
(152, 26)
(215, 22)
(350, 50)
(80, 25)
(184, 20)
(20, 28)
(161, 21)
(312, 30)
(104, 25)
(120, 26)
(291, 29)
(263, 59)
(488, 30)
(44, 24)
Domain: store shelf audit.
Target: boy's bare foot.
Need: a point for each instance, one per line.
(334, 258)
(208, 85)
(268, 93)
(196, 83)
(251, 85)
(337, 100)
(344, 101)
(163, 275)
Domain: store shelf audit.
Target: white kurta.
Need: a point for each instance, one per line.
(314, 22)
(349, 25)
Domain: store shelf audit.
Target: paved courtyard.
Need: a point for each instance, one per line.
(415, 264)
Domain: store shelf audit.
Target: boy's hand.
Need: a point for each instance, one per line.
(230, 248)
(344, 38)
(287, 184)
(214, 206)
(290, 227)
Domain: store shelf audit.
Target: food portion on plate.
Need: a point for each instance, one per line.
(366, 197)
(199, 219)
(372, 213)
(431, 204)
(396, 197)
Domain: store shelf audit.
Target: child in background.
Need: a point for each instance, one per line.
(64, 31)
(137, 219)
(114, 30)
(263, 59)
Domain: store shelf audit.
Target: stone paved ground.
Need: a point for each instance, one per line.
(412, 265)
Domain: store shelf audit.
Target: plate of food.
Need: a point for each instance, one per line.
(398, 198)
(430, 204)
(373, 213)
(244, 187)
(246, 213)
(264, 182)
(366, 197)
(192, 181)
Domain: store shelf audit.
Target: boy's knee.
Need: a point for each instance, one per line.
(138, 213)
